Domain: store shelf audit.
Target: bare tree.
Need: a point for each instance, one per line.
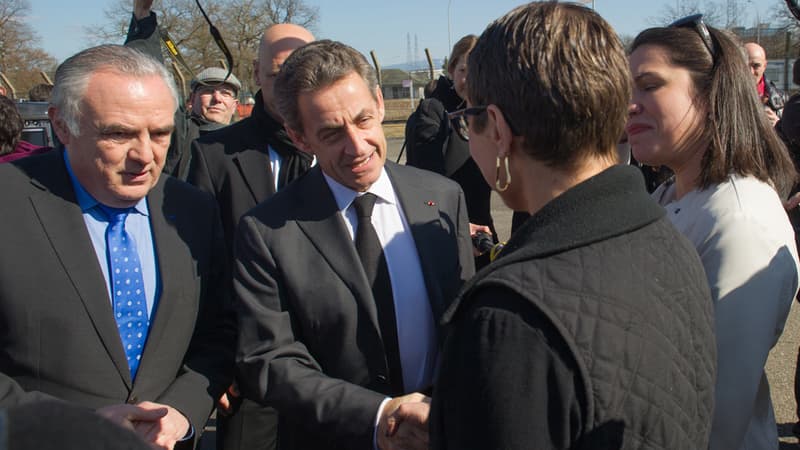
(722, 14)
(21, 59)
(732, 13)
(241, 23)
(783, 18)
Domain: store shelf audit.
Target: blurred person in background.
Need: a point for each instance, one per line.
(695, 111)
(40, 93)
(12, 147)
(771, 97)
(441, 144)
(213, 100)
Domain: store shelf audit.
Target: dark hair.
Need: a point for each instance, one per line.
(741, 139)
(312, 67)
(796, 71)
(559, 74)
(11, 125)
(462, 47)
(40, 93)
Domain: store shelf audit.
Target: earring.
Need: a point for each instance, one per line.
(497, 176)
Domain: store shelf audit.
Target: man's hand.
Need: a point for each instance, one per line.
(404, 423)
(226, 400)
(792, 202)
(160, 425)
(475, 229)
(771, 116)
(127, 415)
(141, 8)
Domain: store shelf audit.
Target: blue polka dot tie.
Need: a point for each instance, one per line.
(127, 287)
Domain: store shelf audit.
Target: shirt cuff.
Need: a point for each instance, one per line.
(377, 420)
(189, 434)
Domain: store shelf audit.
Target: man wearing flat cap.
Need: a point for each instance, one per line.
(213, 99)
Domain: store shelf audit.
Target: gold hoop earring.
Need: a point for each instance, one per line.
(497, 176)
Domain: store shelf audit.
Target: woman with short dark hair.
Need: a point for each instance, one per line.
(593, 327)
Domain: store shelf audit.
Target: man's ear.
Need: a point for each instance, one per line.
(298, 139)
(499, 130)
(381, 104)
(59, 126)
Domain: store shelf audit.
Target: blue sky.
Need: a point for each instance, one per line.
(378, 25)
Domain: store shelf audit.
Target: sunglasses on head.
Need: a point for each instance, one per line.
(695, 22)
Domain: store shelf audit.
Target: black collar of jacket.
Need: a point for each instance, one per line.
(445, 92)
(203, 124)
(611, 203)
(279, 139)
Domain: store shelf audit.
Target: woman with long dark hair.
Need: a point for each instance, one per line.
(695, 111)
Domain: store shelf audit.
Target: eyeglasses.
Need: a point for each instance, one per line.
(473, 111)
(458, 116)
(458, 119)
(696, 23)
(225, 92)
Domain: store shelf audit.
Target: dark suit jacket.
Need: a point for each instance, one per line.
(233, 165)
(58, 336)
(309, 341)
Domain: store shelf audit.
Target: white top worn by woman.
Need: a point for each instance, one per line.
(747, 247)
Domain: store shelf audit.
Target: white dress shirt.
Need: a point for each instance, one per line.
(274, 165)
(416, 327)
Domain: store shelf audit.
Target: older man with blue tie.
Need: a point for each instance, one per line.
(112, 277)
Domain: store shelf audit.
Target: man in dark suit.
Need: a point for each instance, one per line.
(112, 277)
(241, 166)
(336, 335)
(245, 163)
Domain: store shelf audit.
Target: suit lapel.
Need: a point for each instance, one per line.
(62, 220)
(174, 275)
(320, 220)
(256, 173)
(421, 211)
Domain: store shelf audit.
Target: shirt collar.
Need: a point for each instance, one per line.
(344, 196)
(85, 199)
(761, 85)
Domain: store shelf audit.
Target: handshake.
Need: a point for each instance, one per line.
(403, 423)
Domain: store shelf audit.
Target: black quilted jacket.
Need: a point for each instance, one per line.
(594, 329)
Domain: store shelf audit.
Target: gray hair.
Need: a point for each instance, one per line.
(315, 66)
(72, 77)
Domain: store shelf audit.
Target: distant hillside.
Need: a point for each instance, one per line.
(418, 65)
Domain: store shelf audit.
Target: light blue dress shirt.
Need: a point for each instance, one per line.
(137, 225)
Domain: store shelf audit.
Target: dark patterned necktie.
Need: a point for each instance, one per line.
(372, 258)
(127, 287)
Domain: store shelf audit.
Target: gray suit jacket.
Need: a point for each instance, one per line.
(58, 336)
(309, 341)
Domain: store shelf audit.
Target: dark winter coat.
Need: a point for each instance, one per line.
(593, 329)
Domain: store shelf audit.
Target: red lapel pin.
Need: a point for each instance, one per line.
(430, 203)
